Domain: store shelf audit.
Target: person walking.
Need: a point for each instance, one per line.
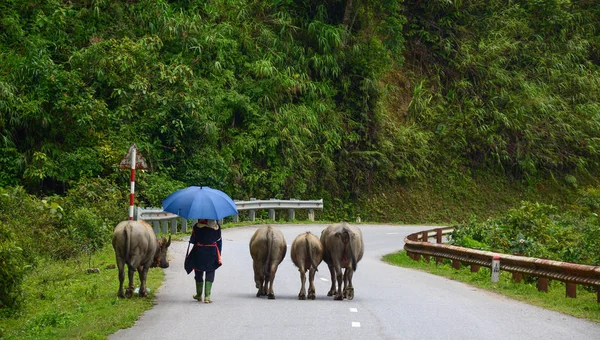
(205, 256)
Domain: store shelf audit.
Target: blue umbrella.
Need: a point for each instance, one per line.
(200, 202)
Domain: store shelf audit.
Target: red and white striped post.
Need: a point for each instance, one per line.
(133, 160)
(132, 191)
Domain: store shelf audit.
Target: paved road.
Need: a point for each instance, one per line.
(390, 302)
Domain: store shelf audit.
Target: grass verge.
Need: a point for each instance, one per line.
(584, 306)
(63, 301)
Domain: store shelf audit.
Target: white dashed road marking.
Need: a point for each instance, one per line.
(353, 310)
(355, 324)
(392, 233)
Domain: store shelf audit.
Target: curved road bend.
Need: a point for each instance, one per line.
(390, 302)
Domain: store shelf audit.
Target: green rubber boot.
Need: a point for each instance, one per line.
(198, 295)
(207, 290)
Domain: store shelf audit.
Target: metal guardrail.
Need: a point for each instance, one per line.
(253, 204)
(160, 219)
(417, 245)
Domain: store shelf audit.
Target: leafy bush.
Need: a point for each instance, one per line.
(535, 230)
(12, 270)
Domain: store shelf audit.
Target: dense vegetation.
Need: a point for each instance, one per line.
(414, 111)
(536, 230)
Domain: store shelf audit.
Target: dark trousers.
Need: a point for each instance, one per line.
(210, 276)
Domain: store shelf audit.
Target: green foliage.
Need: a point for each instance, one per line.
(589, 199)
(12, 270)
(536, 230)
(154, 188)
(508, 86)
(63, 301)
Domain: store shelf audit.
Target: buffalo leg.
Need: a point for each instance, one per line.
(340, 278)
(121, 267)
(130, 288)
(302, 294)
(265, 285)
(348, 288)
(259, 279)
(311, 284)
(271, 293)
(143, 273)
(332, 289)
(345, 270)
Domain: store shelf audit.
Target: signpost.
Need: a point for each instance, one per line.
(133, 160)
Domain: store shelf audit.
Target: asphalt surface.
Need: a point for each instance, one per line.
(389, 303)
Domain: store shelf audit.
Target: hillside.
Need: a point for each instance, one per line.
(414, 111)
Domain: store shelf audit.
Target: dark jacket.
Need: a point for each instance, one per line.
(205, 255)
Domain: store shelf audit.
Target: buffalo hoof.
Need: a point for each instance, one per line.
(338, 297)
(349, 294)
(143, 293)
(330, 293)
(312, 296)
(129, 292)
(271, 296)
(301, 296)
(120, 293)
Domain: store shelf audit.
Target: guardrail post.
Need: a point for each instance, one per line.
(425, 237)
(495, 269)
(174, 226)
(252, 212)
(542, 284)
(474, 268)
(456, 264)
(272, 212)
(291, 212)
(517, 277)
(184, 225)
(412, 237)
(311, 215)
(165, 226)
(598, 294)
(155, 226)
(236, 218)
(571, 289)
(438, 239)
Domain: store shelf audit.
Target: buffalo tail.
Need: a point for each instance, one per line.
(348, 237)
(309, 251)
(269, 237)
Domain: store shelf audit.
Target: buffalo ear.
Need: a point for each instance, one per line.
(168, 242)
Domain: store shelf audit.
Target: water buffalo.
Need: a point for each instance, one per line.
(343, 247)
(137, 246)
(307, 253)
(267, 248)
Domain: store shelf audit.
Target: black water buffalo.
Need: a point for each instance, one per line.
(267, 248)
(343, 247)
(137, 246)
(307, 254)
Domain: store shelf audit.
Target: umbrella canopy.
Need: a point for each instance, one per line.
(200, 202)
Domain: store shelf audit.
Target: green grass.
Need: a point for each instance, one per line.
(584, 306)
(63, 301)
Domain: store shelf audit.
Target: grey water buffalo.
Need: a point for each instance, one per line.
(307, 254)
(343, 247)
(267, 248)
(137, 246)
